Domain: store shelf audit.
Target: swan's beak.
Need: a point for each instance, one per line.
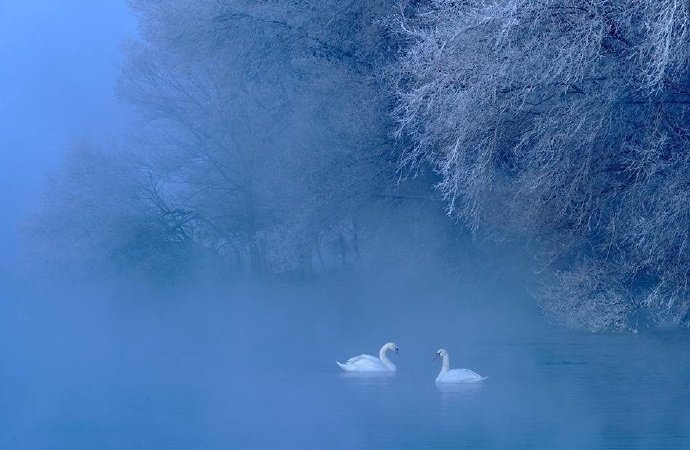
(397, 352)
(436, 355)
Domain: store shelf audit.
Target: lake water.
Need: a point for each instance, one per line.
(254, 368)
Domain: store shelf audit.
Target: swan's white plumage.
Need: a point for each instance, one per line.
(368, 363)
(355, 359)
(364, 365)
(448, 375)
(459, 376)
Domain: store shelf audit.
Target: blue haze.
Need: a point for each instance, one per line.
(212, 362)
(254, 368)
(59, 65)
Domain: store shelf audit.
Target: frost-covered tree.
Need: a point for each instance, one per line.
(103, 211)
(268, 119)
(565, 121)
(264, 122)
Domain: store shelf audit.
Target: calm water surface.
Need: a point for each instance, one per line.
(256, 370)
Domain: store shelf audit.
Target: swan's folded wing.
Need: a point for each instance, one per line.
(464, 375)
(468, 373)
(362, 358)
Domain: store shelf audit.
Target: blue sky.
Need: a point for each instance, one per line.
(58, 65)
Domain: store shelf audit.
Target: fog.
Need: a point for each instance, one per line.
(206, 204)
(59, 65)
(254, 366)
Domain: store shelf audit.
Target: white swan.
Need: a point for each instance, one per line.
(455, 375)
(368, 363)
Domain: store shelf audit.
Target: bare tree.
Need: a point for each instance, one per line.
(564, 121)
(265, 119)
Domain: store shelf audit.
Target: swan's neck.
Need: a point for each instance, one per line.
(383, 356)
(446, 364)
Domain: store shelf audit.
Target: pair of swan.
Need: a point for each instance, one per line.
(369, 364)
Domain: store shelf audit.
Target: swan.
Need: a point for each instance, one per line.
(448, 375)
(368, 363)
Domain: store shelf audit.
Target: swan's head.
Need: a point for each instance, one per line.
(440, 353)
(391, 346)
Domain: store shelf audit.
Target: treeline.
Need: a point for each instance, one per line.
(271, 134)
(262, 137)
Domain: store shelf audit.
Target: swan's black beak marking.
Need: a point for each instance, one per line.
(436, 355)
(397, 352)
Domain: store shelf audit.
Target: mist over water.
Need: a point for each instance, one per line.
(236, 194)
(253, 366)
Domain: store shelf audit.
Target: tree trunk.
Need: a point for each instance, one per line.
(255, 258)
(306, 263)
(343, 248)
(355, 239)
(317, 244)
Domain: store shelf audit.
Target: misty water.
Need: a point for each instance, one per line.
(254, 367)
(207, 203)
